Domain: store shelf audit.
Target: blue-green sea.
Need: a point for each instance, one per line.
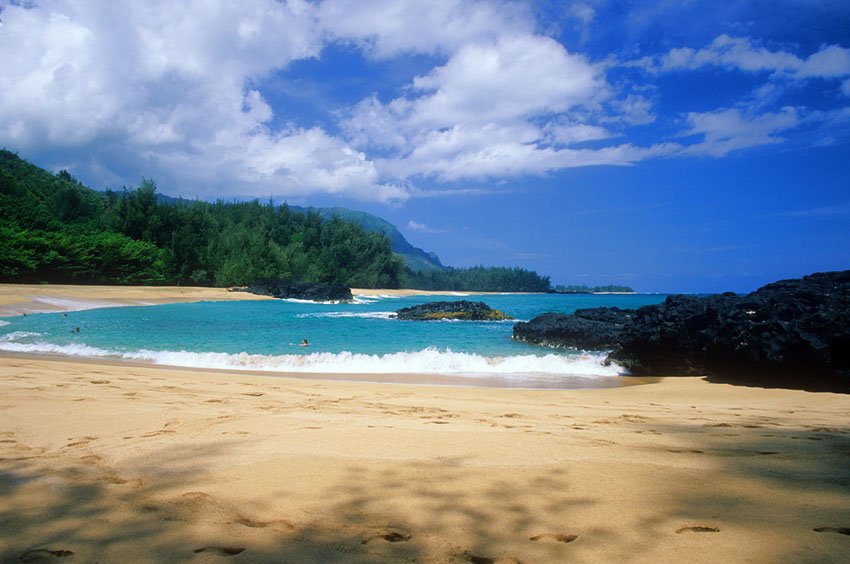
(349, 338)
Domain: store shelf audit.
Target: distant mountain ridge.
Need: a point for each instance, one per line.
(414, 257)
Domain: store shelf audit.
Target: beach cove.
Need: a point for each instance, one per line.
(111, 461)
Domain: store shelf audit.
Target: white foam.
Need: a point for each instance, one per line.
(4, 323)
(343, 314)
(427, 361)
(49, 348)
(11, 337)
(300, 301)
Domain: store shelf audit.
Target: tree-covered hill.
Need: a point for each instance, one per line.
(54, 229)
(414, 258)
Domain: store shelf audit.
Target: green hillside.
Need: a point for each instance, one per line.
(54, 229)
(415, 258)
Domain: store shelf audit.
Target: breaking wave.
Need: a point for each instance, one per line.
(427, 361)
(343, 314)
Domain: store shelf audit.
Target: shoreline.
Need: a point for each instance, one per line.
(18, 299)
(478, 381)
(145, 463)
(21, 299)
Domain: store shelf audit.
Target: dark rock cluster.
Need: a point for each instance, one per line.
(463, 309)
(316, 291)
(791, 327)
(588, 329)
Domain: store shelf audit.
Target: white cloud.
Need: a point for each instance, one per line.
(170, 81)
(574, 133)
(584, 13)
(386, 28)
(176, 91)
(516, 77)
(493, 110)
(742, 53)
(422, 228)
(729, 130)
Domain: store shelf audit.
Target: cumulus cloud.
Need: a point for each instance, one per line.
(494, 109)
(386, 28)
(171, 82)
(180, 92)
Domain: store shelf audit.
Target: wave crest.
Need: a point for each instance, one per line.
(427, 361)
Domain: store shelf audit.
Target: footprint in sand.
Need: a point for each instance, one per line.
(697, 529)
(477, 559)
(43, 554)
(839, 530)
(389, 536)
(560, 537)
(221, 550)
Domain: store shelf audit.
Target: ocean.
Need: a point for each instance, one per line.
(344, 338)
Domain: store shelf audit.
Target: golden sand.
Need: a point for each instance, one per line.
(129, 463)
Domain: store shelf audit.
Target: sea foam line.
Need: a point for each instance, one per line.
(427, 361)
(346, 314)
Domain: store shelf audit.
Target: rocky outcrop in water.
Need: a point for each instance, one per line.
(288, 289)
(799, 326)
(463, 309)
(588, 329)
(795, 327)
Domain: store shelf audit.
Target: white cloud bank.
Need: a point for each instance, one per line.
(171, 82)
(174, 90)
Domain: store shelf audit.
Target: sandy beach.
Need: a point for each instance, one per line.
(104, 461)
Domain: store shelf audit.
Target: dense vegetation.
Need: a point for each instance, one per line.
(53, 229)
(477, 279)
(573, 289)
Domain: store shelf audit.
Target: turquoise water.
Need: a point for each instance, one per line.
(361, 337)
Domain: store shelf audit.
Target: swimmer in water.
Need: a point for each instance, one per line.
(304, 343)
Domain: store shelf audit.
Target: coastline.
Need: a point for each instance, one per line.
(117, 462)
(17, 299)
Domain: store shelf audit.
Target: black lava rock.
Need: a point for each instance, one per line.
(463, 309)
(799, 326)
(315, 291)
(792, 328)
(588, 329)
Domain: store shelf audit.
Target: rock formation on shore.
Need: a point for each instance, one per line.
(463, 309)
(588, 329)
(315, 291)
(799, 327)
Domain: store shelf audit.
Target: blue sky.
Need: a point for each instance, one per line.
(671, 145)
